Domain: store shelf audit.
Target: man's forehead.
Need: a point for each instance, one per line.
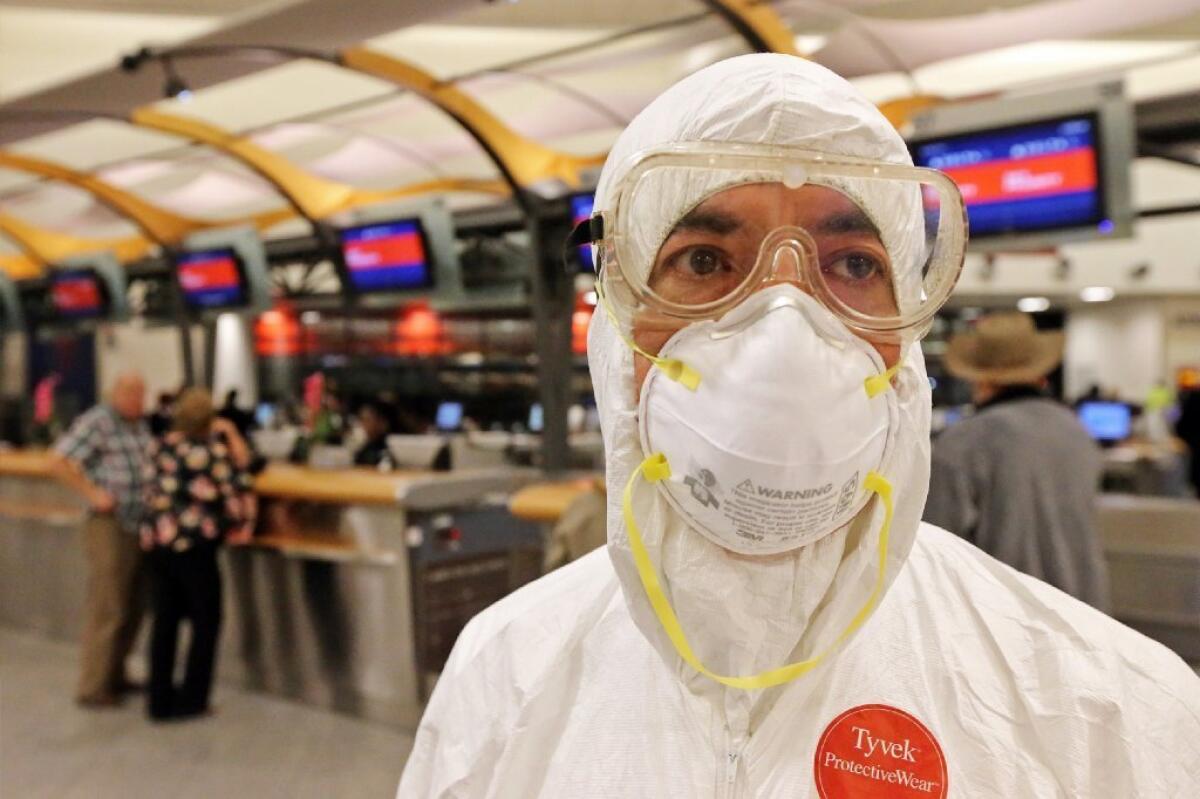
(824, 209)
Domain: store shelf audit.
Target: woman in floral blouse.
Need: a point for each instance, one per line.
(197, 496)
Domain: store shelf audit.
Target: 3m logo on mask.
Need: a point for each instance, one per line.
(702, 484)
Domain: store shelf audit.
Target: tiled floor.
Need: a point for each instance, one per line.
(255, 746)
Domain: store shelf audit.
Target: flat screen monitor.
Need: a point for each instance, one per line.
(77, 294)
(212, 279)
(581, 209)
(536, 418)
(449, 416)
(1106, 421)
(1027, 178)
(264, 415)
(387, 257)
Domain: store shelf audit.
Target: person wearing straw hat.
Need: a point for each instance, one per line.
(1019, 477)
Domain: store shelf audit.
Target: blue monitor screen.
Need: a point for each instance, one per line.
(1032, 177)
(1106, 421)
(536, 418)
(387, 257)
(449, 416)
(581, 209)
(211, 279)
(264, 415)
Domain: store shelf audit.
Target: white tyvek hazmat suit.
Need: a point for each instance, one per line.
(569, 687)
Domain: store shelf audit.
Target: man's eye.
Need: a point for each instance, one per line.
(702, 261)
(856, 267)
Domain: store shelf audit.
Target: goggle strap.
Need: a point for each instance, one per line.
(673, 368)
(656, 468)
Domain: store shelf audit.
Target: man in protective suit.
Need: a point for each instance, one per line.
(768, 260)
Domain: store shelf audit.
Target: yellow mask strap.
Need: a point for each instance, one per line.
(877, 384)
(673, 368)
(655, 468)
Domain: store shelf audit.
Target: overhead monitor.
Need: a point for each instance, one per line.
(223, 269)
(449, 416)
(78, 294)
(581, 209)
(387, 257)
(212, 279)
(1106, 422)
(1035, 171)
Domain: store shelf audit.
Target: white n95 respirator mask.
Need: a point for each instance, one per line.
(770, 449)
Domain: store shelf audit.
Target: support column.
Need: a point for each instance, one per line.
(553, 303)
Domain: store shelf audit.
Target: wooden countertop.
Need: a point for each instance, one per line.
(278, 480)
(350, 486)
(363, 486)
(25, 463)
(546, 502)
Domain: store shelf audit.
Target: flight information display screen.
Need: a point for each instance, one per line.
(581, 209)
(211, 279)
(387, 257)
(77, 294)
(1041, 176)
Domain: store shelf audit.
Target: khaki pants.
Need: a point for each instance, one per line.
(114, 605)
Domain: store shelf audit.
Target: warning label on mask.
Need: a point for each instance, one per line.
(880, 751)
(774, 514)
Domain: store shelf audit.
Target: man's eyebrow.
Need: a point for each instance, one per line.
(708, 221)
(848, 222)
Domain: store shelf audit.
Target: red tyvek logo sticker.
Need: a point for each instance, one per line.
(879, 751)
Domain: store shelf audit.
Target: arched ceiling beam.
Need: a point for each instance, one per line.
(757, 23)
(313, 197)
(46, 247)
(764, 31)
(157, 224)
(523, 161)
(19, 267)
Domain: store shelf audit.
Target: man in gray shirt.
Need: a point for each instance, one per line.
(1019, 477)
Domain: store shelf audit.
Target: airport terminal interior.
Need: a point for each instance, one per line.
(365, 228)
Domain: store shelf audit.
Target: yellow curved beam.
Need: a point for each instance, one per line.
(160, 225)
(315, 197)
(48, 246)
(901, 111)
(526, 160)
(756, 19)
(19, 267)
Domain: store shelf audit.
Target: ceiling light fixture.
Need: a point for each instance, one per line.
(1097, 293)
(174, 87)
(1033, 304)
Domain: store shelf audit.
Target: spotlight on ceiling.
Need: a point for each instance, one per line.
(1033, 304)
(174, 87)
(1097, 293)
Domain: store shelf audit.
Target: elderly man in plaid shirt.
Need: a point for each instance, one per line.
(101, 457)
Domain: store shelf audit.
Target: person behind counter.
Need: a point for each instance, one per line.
(197, 495)
(375, 419)
(101, 457)
(1019, 477)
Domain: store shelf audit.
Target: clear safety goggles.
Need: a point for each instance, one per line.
(693, 229)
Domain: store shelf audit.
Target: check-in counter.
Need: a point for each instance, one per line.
(1152, 545)
(350, 596)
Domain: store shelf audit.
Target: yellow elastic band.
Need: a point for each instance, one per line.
(655, 468)
(673, 368)
(877, 384)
